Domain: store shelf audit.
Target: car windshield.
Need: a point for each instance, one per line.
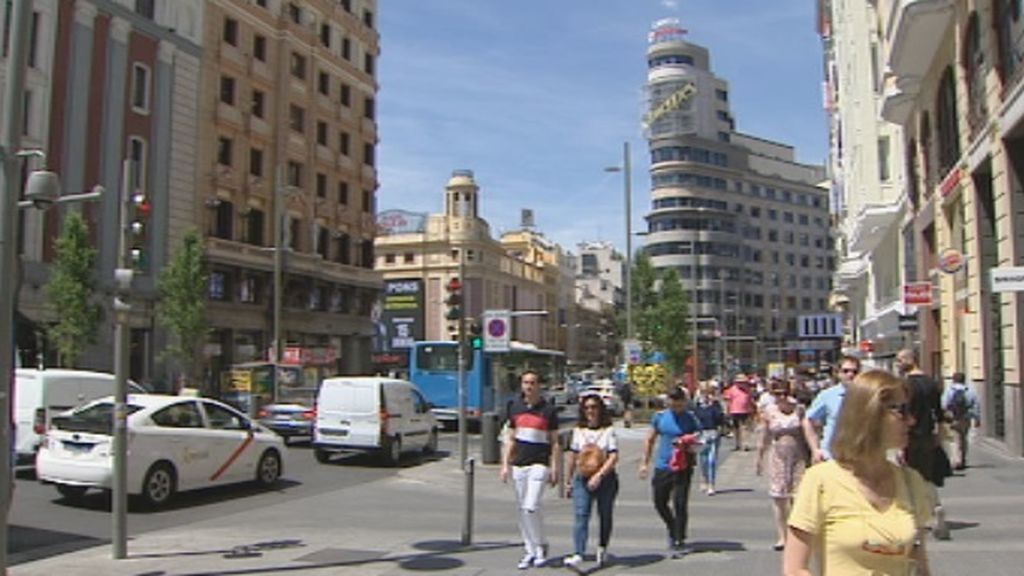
(96, 418)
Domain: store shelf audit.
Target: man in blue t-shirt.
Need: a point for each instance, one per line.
(667, 427)
(824, 410)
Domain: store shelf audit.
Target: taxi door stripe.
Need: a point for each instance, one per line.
(231, 459)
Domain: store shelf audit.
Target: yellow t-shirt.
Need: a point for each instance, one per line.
(853, 538)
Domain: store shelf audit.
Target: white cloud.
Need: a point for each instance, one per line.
(670, 4)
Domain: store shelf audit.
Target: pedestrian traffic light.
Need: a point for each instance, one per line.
(454, 300)
(476, 338)
(138, 231)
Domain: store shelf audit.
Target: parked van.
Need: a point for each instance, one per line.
(41, 394)
(372, 414)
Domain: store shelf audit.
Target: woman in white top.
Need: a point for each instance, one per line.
(590, 477)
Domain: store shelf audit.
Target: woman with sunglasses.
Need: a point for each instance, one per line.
(591, 477)
(862, 513)
(782, 439)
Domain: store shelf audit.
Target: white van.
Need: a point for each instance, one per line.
(372, 414)
(41, 394)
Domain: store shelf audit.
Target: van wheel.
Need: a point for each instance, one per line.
(322, 456)
(159, 485)
(269, 469)
(71, 492)
(392, 451)
(431, 446)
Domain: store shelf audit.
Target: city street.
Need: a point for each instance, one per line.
(409, 522)
(42, 523)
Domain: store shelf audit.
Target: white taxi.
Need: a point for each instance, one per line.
(175, 443)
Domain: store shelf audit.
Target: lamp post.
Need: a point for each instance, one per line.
(628, 196)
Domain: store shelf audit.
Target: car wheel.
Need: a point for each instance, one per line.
(431, 446)
(71, 492)
(269, 469)
(392, 451)
(322, 456)
(159, 484)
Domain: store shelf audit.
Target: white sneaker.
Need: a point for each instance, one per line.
(602, 557)
(572, 561)
(526, 562)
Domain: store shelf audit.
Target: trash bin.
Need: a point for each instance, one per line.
(490, 448)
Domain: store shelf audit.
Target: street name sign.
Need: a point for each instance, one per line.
(1008, 279)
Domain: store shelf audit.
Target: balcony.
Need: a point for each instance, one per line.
(914, 32)
(872, 224)
(898, 98)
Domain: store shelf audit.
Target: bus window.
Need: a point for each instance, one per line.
(441, 358)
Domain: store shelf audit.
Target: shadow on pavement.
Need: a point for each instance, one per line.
(722, 491)
(99, 501)
(706, 546)
(365, 460)
(25, 544)
(244, 551)
(438, 556)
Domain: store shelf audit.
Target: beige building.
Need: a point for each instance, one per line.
(953, 83)
(288, 158)
(523, 271)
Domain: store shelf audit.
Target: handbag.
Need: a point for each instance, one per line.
(590, 459)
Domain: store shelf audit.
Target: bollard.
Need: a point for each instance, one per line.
(490, 451)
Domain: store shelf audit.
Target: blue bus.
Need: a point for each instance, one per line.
(492, 378)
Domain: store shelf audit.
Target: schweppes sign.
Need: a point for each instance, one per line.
(673, 102)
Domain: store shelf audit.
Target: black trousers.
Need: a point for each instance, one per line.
(676, 485)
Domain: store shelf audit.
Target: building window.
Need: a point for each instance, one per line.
(33, 40)
(369, 108)
(223, 220)
(367, 253)
(325, 35)
(224, 146)
(298, 65)
(321, 133)
(883, 159)
(343, 143)
(368, 18)
(343, 193)
(343, 249)
(218, 286)
(367, 201)
(322, 242)
(927, 165)
(145, 8)
(231, 31)
(140, 88)
(294, 173)
(254, 223)
(259, 47)
(722, 95)
(408, 258)
(389, 258)
(137, 159)
(323, 83)
(346, 95)
(256, 162)
(294, 13)
(248, 290)
(913, 190)
(946, 122)
(227, 90)
(346, 49)
(321, 185)
(258, 103)
(368, 63)
(346, 4)
(973, 63)
(297, 118)
(368, 154)
(295, 234)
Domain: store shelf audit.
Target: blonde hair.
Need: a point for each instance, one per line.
(860, 429)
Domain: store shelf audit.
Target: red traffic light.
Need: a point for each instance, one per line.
(454, 285)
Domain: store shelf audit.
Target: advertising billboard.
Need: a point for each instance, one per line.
(398, 320)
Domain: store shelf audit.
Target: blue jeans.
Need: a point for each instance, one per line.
(708, 456)
(582, 501)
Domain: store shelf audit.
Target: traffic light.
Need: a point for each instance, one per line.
(454, 300)
(138, 231)
(476, 338)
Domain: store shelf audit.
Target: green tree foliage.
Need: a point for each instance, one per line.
(671, 322)
(71, 290)
(645, 299)
(182, 307)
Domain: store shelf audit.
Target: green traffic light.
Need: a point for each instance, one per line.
(477, 343)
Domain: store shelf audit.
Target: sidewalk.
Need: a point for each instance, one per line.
(412, 523)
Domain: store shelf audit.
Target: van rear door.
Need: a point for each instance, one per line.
(348, 413)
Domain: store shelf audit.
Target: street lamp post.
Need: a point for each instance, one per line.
(628, 196)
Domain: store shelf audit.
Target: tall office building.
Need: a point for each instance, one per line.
(745, 224)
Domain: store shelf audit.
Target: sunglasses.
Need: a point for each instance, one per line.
(899, 409)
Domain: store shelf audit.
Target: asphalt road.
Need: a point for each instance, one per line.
(43, 524)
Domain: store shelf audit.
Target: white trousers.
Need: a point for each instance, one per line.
(529, 483)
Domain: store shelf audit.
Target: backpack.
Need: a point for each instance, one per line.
(958, 405)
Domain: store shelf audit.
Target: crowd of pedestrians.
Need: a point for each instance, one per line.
(852, 466)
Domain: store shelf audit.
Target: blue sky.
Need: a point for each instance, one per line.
(537, 97)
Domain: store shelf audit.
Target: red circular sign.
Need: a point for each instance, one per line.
(496, 327)
(951, 261)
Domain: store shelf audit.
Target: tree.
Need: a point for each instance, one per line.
(182, 307)
(645, 298)
(71, 291)
(671, 321)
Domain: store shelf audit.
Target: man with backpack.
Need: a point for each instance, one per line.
(961, 406)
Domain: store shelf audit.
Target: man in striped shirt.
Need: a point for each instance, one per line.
(532, 455)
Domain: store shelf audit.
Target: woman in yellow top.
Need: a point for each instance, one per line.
(859, 513)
